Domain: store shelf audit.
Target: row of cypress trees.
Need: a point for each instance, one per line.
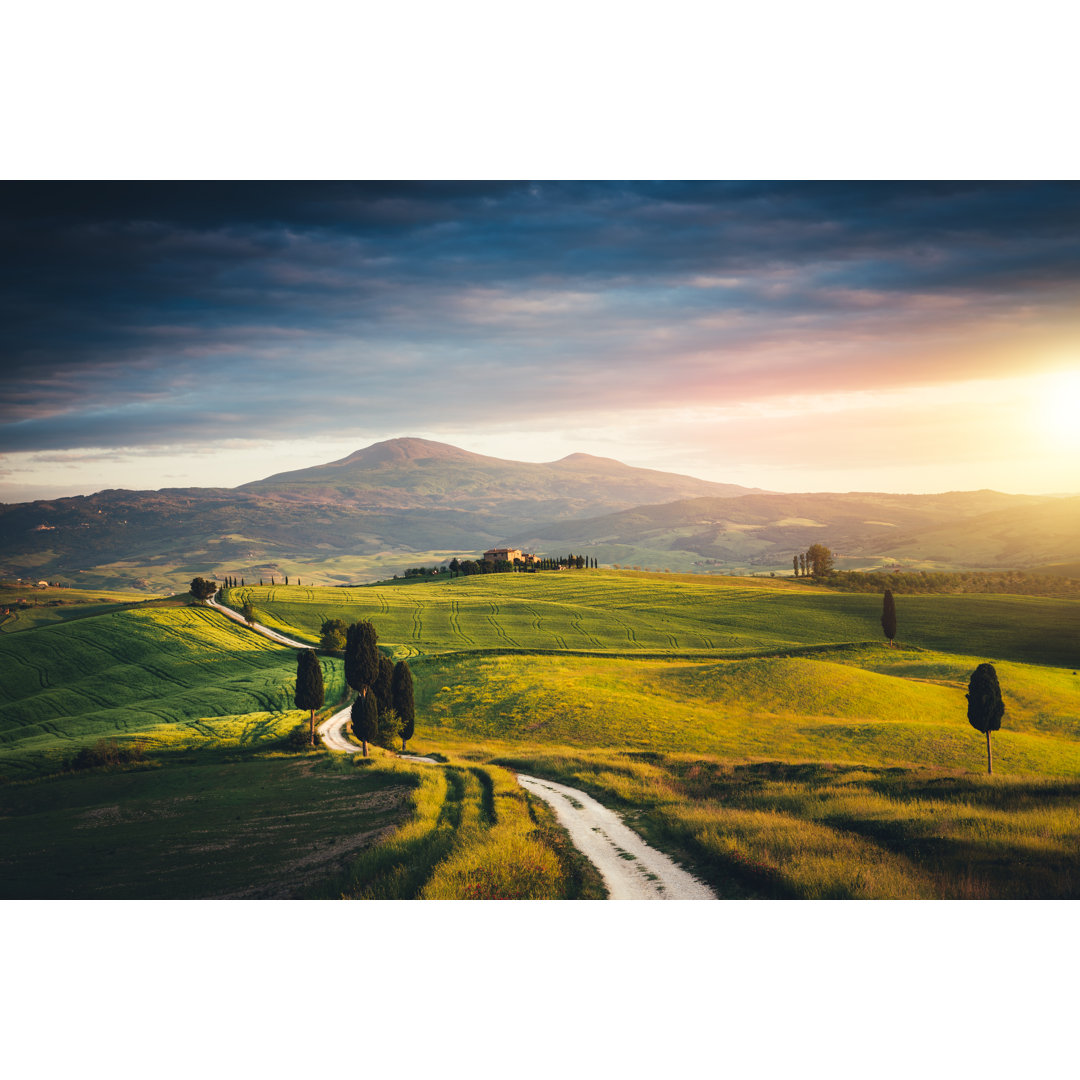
(384, 690)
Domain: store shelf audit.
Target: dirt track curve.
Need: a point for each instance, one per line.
(630, 868)
(273, 635)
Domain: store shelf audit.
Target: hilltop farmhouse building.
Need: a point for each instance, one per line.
(493, 555)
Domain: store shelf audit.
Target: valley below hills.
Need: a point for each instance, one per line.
(408, 502)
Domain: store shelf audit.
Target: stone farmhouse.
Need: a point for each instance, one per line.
(493, 555)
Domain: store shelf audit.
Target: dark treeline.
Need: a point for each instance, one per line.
(974, 581)
(467, 567)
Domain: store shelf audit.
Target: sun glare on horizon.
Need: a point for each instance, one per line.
(1059, 411)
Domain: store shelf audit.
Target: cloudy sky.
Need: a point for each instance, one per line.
(799, 337)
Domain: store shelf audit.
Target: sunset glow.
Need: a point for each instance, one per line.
(902, 337)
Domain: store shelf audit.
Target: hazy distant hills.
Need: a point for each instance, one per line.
(968, 529)
(408, 501)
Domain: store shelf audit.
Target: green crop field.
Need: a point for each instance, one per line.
(627, 613)
(170, 677)
(29, 607)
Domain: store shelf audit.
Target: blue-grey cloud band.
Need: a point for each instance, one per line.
(139, 313)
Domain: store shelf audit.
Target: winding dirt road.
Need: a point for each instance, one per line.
(332, 732)
(273, 635)
(630, 868)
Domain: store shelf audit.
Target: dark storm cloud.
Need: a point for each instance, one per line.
(125, 308)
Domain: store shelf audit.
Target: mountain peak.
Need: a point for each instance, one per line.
(585, 461)
(407, 448)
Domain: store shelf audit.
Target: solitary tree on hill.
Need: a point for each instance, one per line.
(985, 707)
(402, 690)
(309, 685)
(365, 719)
(202, 589)
(820, 559)
(888, 616)
(361, 656)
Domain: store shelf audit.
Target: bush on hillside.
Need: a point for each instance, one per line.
(389, 734)
(299, 738)
(107, 752)
(332, 634)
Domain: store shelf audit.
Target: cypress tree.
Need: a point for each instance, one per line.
(795, 564)
(365, 719)
(361, 656)
(402, 691)
(888, 616)
(985, 707)
(310, 693)
(381, 685)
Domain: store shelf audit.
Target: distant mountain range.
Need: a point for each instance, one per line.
(408, 501)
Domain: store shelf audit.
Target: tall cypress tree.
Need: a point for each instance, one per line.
(985, 707)
(382, 685)
(361, 656)
(309, 685)
(365, 719)
(402, 692)
(888, 616)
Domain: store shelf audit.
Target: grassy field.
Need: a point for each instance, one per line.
(30, 607)
(817, 830)
(825, 708)
(666, 615)
(474, 835)
(171, 677)
(759, 730)
(762, 732)
(211, 826)
(269, 825)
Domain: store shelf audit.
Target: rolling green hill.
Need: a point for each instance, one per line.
(648, 614)
(170, 676)
(759, 729)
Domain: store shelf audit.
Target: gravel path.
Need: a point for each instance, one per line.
(273, 635)
(332, 732)
(630, 868)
